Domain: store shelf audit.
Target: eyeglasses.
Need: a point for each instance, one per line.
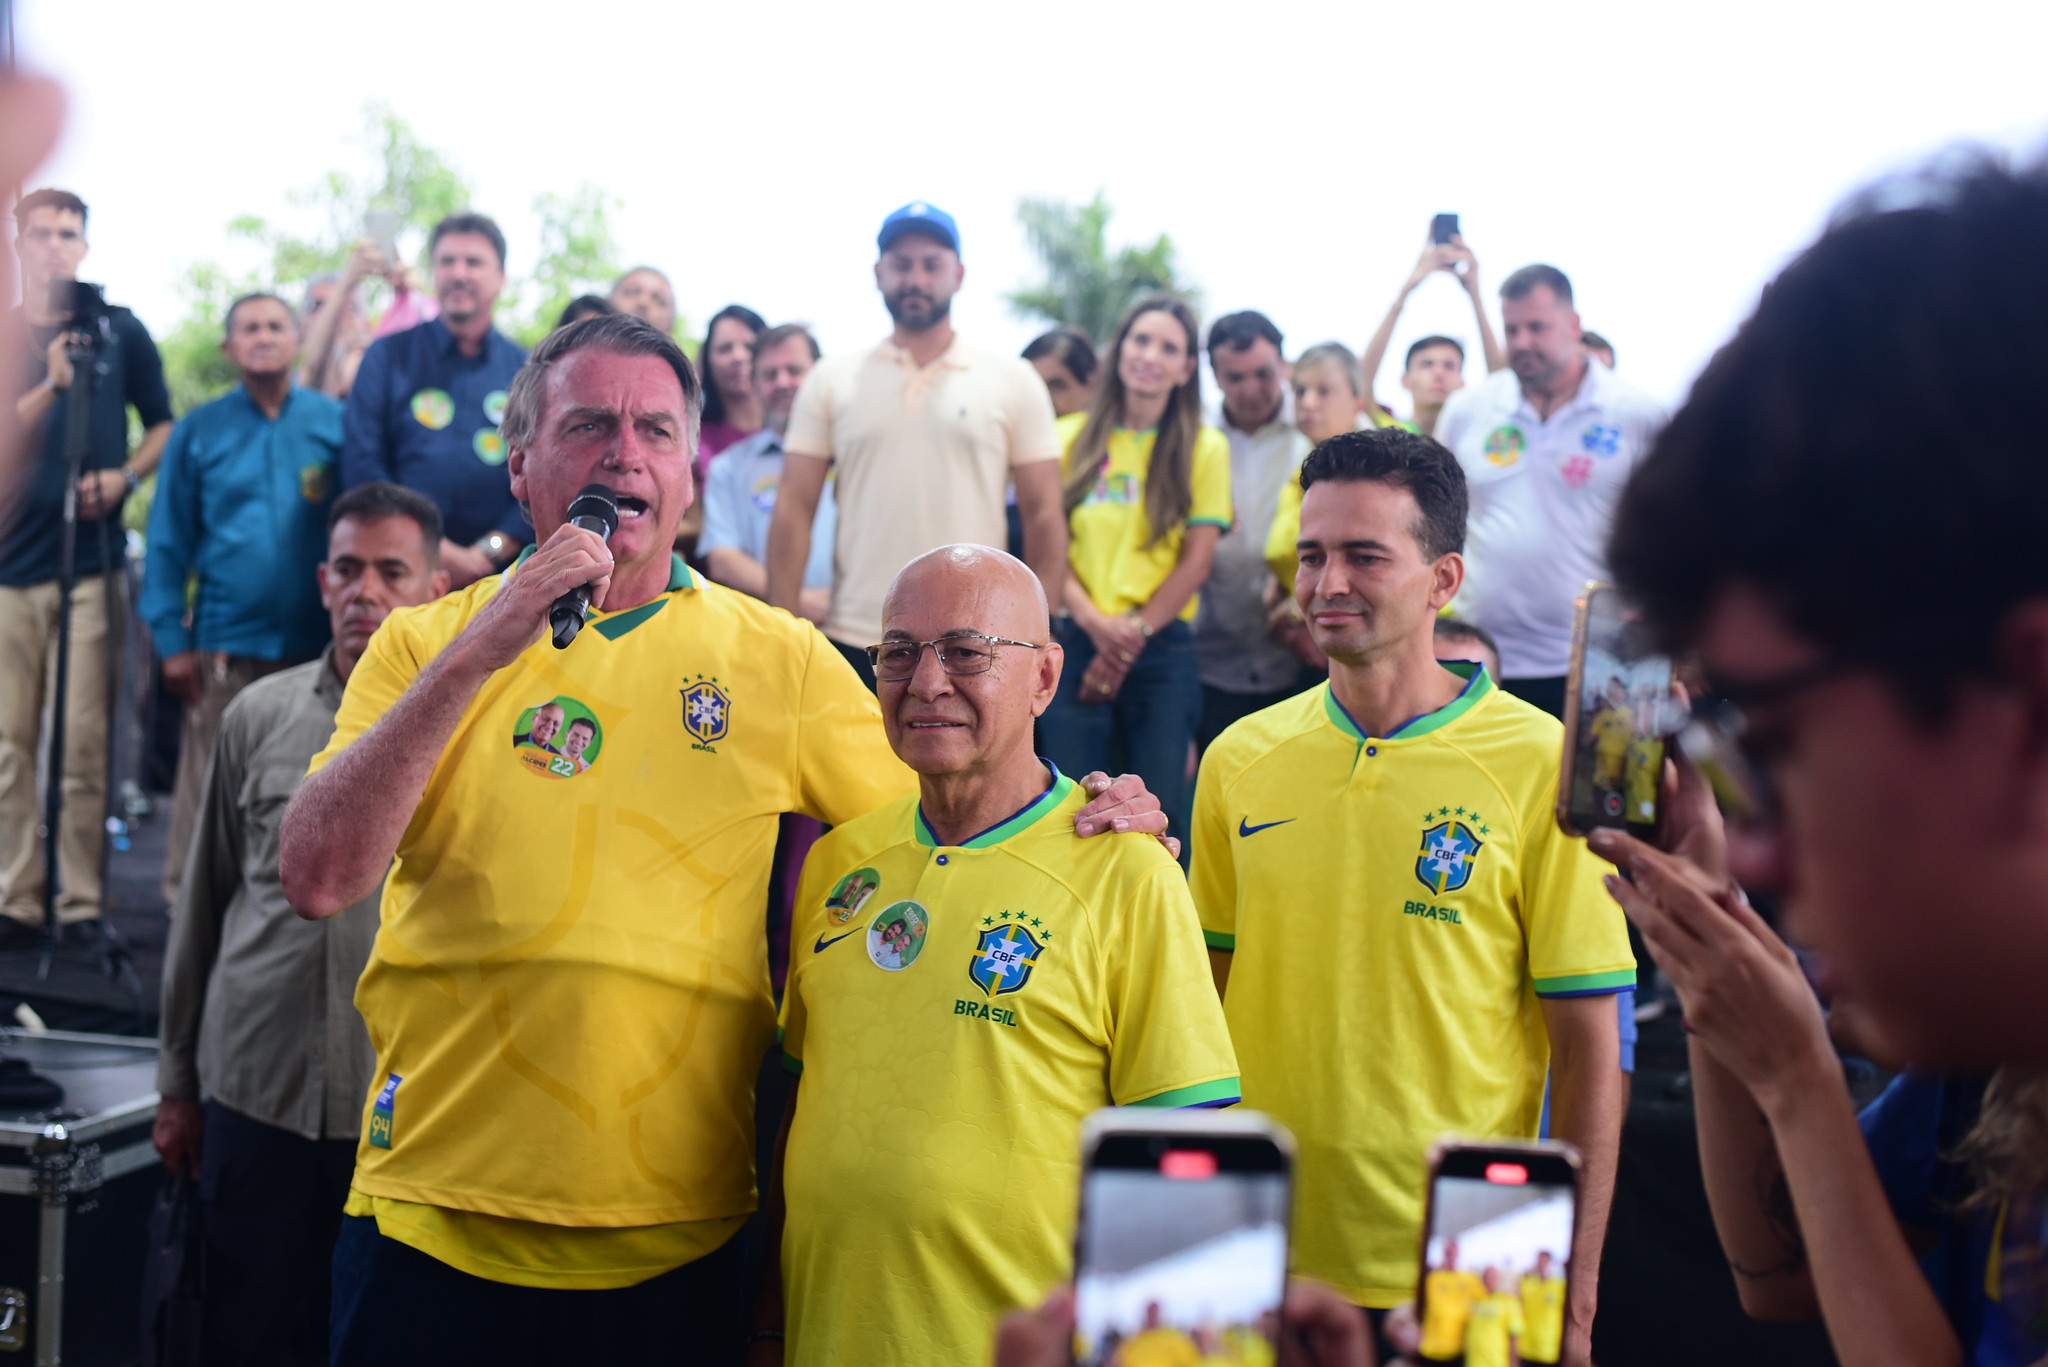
(967, 652)
(1717, 739)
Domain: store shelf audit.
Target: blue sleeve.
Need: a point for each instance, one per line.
(173, 536)
(721, 524)
(1905, 1131)
(365, 451)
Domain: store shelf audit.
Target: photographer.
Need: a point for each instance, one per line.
(50, 239)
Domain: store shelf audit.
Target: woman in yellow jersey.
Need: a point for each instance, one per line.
(1147, 496)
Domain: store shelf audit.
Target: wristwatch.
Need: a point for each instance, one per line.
(130, 478)
(1144, 627)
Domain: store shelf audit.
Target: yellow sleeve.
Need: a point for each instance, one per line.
(1169, 1045)
(1578, 941)
(1212, 876)
(397, 653)
(1285, 531)
(1211, 477)
(845, 767)
(1065, 430)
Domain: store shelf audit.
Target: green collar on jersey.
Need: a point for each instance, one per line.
(1477, 685)
(1013, 824)
(618, 624)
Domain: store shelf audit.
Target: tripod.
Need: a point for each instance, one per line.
(93, 334)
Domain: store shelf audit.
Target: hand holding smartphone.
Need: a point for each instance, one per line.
(1443, 229)
(1618, 707)
(1181, 1250)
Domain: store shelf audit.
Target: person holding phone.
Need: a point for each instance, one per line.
(1147, 494)
(1435, 366)
(1406, 941)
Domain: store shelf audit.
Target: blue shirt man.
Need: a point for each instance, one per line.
(739, 503)
(426, 403)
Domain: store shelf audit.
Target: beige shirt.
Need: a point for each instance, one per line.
(923, 457)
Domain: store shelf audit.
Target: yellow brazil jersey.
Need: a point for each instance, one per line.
(1494, 1321)
(569, 990)
(1109, 534)
(1542, 1318)
(1612, 729)
(1447, 1298)
(1395, 908)
(1164, 1346)
(1285, 529)
(953, 1025)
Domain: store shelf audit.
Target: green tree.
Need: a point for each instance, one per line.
(1086, 285)
(577, 256)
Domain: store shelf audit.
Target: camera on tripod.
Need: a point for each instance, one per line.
(84, 305)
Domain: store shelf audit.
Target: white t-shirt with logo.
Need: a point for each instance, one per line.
(1543, 498)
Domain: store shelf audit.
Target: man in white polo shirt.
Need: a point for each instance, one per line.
(1547, 445)
(925, 433)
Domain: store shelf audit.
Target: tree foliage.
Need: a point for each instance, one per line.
(422, 186)
(1087, 286)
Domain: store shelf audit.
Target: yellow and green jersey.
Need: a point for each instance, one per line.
(1447, 1297)
(952, 1028)
(1613, 727)
(1495, 1321)
(1396, 907)
(569, 990)
(1110, 544)
(1542, 1318)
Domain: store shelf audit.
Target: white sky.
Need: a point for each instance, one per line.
(1669, 158)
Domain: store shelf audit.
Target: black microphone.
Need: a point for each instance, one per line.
(595, 510)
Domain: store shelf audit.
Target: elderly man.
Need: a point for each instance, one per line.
(570, 992)
(257, 1014)
(1026, 979)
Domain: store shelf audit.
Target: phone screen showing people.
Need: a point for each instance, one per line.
(1624, 706)
(1182, 1250)
(1496, 1262)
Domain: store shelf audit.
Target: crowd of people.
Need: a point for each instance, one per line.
(465, 1060)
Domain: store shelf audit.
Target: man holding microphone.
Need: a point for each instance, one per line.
(569, 990)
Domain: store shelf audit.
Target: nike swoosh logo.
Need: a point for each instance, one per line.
(824, 944)
(1243, 829)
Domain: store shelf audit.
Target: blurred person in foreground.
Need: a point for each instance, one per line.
(31, 114)
(923, 432)
(1048, 977)
(241, 507)
(1474, 953)
(50, 239)
(1434, 368)
(1887, 778)
(264, 1061)
(1243, 670)
(425, 407)
(1065, 360)
(739, 494)
(1546, 445)
(595, 1215)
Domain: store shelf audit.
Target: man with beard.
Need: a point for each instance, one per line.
(1547, 446)
(923, 432)
(426, 403)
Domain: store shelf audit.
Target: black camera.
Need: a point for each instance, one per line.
(82, 303)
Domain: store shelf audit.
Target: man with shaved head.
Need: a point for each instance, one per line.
(569, 991)
(1003, 981)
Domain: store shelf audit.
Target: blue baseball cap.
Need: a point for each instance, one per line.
(919, 217)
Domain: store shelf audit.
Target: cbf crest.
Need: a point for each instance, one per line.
(707, 712)
(1449, 850)
(1002, 959)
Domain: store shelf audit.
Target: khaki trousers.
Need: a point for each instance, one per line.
(28, 682)
(221, 677)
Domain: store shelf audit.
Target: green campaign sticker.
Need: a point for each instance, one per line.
(433, 409)
(494, 406)
(560, 737)
(489, 446)
(896, 937)
(850, 894)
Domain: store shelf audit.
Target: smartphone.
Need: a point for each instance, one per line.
(1618, 708)
(1180, 1254)
(1496, 1250)
(381, 227)
(1443, 228)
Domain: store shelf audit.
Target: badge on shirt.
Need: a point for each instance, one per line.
(1449, 850)
(850, 894)
(494, 406)
(707, 713)
(896, 937)
(381, 1112)
(1601, 439)
(559, 738)
(433, 409)
(1504, 445)
(488, 445)
(316, 482)
(1002, 960)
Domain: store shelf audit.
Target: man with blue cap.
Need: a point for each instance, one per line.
(923, 433)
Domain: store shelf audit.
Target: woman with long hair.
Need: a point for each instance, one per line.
(1147, 496)
(731, 407)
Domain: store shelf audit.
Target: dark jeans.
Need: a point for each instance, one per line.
(395, 1306)
(1146, 729)
(1547, 694)
(858, 658)
(271, 1204)
(1221, 708)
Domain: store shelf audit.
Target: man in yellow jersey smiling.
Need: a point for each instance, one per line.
(569, 991)
(1407, 942)
(931, 1171)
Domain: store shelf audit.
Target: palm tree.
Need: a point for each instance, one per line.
(1085, 286)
